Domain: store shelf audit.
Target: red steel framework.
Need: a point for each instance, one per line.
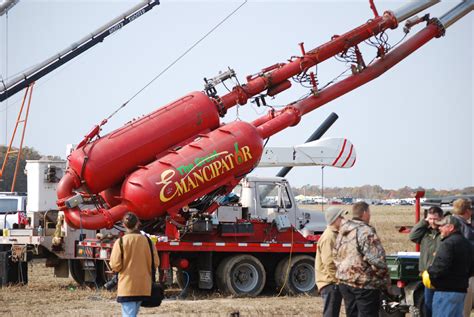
(275, 75)
(19, 120)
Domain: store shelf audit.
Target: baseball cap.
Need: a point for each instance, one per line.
(332, 213)
(447, 220)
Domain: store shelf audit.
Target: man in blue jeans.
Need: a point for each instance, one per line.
(451, 269)
(426, 233)
(132, 259)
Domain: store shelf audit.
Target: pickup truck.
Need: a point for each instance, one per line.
(268, 197)
(12, 210)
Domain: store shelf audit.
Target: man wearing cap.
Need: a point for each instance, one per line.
(362, 271)
(462, 210)
(427, 234)
(451, 269)
(325, 267)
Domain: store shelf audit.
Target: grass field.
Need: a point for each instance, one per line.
(49, 296)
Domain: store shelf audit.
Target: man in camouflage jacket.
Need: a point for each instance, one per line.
(361, 267)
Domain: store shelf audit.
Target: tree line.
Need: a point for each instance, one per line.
(377, 192)
(27, 153)
(6, 180)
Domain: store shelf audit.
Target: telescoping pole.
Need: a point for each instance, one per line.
(317, 134)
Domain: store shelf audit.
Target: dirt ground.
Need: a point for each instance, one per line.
(49, 296)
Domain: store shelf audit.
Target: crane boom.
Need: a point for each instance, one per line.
(6, 5)
(23, 80)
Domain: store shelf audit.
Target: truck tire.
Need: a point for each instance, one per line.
(12, 273)
(103, 274)
(297, 277)
(241, 275)
(76, 269)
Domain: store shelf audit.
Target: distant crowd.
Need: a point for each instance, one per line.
(351, 264)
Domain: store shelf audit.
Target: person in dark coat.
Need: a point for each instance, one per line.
(462, 210)
(451, 269)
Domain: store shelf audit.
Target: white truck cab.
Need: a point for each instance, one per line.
(271, 199)
(12, 209)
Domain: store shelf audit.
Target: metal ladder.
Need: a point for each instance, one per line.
(19, 120)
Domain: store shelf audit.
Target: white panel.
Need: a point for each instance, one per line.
(41, 193)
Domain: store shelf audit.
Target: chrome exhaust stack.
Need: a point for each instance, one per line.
(456, 13)
(413, 8)
(7, 5)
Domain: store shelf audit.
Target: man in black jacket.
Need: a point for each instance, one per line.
(451, 269)
(462, 210)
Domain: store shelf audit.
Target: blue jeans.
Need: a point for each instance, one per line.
(448, 304)
(130, 309)
(429, 293)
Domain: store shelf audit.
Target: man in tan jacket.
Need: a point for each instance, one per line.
(325, 267)
(132, 260)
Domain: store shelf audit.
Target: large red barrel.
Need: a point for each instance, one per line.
(112, 157)
(180, 177)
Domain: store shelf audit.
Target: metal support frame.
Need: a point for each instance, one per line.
(24, 121)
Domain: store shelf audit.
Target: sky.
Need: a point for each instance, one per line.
(411, 126)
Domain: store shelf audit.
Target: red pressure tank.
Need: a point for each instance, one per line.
(211, 161)
(108, 160)
(219, 158)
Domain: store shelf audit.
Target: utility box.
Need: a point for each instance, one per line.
(229, 213)
(243, 229)
(43, 179)
(282, 222)
(403, 267)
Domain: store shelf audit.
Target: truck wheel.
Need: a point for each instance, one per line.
(297, 277)
(76, 268)
(77, 273)
(103, 274)
(12, 273)
(241, 275)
